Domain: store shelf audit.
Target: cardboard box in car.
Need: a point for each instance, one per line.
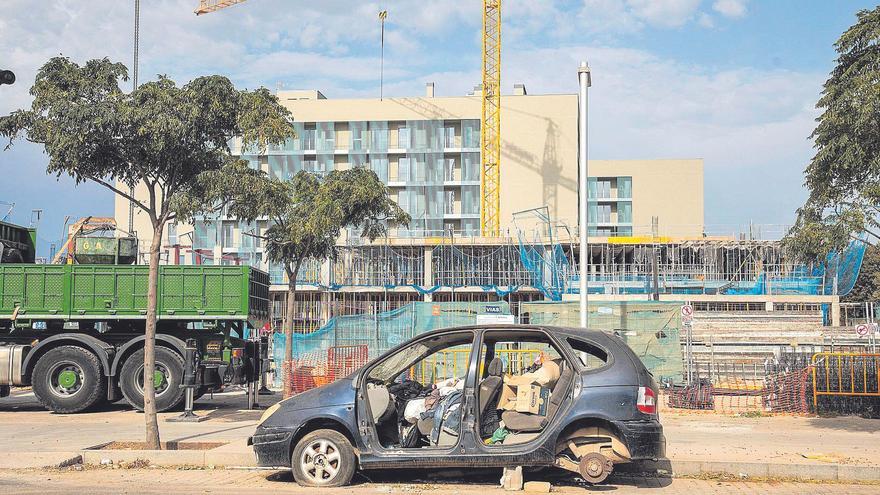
(532, 399)
(507, 400)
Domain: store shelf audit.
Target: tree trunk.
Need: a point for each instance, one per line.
(288, 330)
(152, 424)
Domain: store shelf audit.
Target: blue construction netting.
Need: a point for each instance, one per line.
(554, 275)
(377, 333)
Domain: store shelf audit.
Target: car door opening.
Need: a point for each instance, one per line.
(414, 396)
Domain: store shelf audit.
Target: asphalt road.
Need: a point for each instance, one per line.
(171, 482)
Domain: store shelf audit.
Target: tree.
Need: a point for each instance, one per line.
(307, 215)
(171, 141)
(843, 177)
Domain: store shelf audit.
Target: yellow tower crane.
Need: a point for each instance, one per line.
(490, 132)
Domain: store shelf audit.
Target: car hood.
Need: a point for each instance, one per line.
(339, 393)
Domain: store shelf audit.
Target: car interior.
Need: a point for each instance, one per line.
(414, 396)
(521, 388)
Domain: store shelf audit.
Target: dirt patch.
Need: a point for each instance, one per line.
(165, 446)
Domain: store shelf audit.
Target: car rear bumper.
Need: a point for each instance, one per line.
(272, 446)
(644, 439)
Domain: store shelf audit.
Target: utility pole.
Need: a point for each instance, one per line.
(584, 80)
(134, 85)
(382, 16)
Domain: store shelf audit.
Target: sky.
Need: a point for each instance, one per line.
(731, 81)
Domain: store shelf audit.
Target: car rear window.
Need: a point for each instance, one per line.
(590, 355)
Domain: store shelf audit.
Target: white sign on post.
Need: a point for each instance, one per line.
(496, 319)
(863, 329)
(687, 313)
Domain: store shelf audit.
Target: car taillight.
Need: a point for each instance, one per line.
(647, 402)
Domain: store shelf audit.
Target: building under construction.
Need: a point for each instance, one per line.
(647, 231)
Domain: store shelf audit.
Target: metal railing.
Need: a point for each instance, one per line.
(439, 365)
(845, 374)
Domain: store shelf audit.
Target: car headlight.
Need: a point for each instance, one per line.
(269, 412)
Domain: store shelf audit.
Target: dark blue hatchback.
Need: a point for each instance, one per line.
(487, 396)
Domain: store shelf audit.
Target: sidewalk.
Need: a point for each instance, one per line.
(825, 448)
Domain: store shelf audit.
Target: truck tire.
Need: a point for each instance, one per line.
(68, 379)
(323, 458)
(169, 375)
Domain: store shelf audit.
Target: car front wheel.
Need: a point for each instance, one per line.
(323, 458)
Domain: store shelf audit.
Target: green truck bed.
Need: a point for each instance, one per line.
(109, 292)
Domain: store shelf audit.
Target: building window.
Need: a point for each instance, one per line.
(624, 187)
(470, 134)
(262, 226)
(421, 138)
(470, 166)
(308, 139)
(227, 235)
(449, 203)
(172, 233)
(449, 169)
(624, 212)
(449, 135)
(599, 188)
(403, 169)
(379, 164)
(470, 200)
(403, 137)
(358, 138)
(326, 136)
(604, 212)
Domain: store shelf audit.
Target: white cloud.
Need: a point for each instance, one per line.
(730, 8)
(705, 20)
(643, 105)
(664, 13)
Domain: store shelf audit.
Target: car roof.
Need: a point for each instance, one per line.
(594, 334)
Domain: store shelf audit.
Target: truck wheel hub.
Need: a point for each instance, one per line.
(65, 379)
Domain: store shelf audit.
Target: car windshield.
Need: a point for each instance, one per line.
(388, 369)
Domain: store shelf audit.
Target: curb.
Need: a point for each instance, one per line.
(677, 468)
(834, 472)
(201, 458)
(31, 460)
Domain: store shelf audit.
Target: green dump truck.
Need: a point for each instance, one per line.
(75, 332)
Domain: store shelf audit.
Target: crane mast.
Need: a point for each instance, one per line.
(490, 132)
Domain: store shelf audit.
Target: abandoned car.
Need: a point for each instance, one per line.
(493, 396)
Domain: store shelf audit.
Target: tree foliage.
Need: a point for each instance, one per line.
(307, 216)
(160, 135)
(843, 177)
(173, 142)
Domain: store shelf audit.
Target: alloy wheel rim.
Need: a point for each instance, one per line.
(321, 461)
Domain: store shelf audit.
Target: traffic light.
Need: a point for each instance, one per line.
(7, 77)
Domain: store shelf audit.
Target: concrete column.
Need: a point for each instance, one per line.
(835, 312)
(428, 280)
(218, 254)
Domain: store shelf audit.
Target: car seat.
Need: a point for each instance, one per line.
(524, 422)
(490, 389)
(381, 403)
